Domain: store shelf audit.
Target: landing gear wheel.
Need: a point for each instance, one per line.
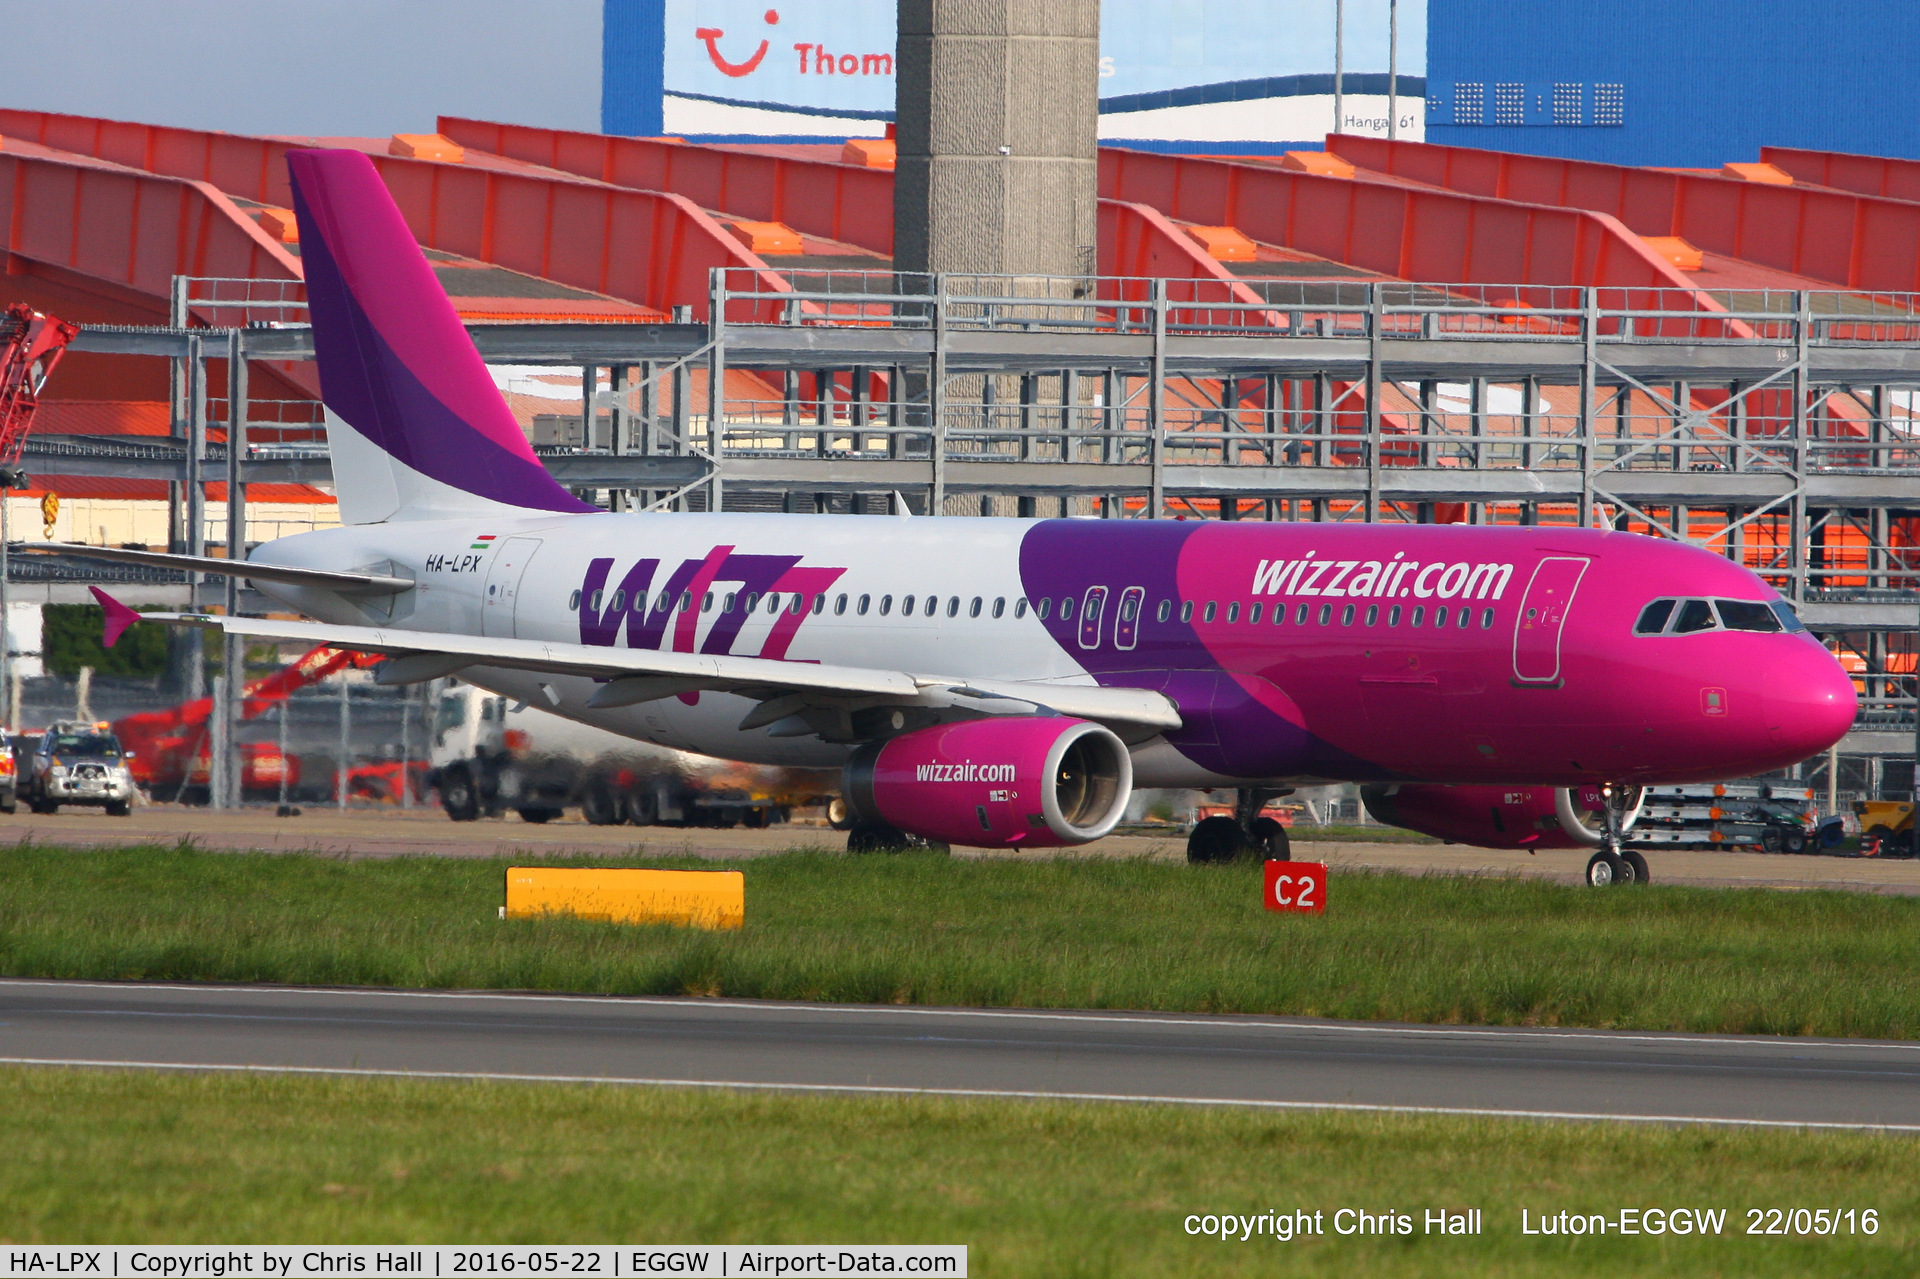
(1604, 870)
(839, 813)
(457, 794)
(600, 805)
(1215, 839)
(1638, 864)
(643, 807)
(1270, 840)
(872, 837)
(538, 816)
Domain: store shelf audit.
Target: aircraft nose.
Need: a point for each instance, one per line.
(1809, 701)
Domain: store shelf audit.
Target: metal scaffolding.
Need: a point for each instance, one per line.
(1782, 431)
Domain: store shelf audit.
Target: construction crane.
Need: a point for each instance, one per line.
(30, 345)
(170, 747)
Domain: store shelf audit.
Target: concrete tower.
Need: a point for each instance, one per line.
(997, 111)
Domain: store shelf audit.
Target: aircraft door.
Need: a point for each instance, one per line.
(1091, 609)
(1126, 625)
(502, 594)
(1543, 613)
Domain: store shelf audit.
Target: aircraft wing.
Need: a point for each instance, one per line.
(350, 583)
(638, 675)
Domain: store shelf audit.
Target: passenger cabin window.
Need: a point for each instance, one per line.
(820, 604)
(1206, 614)
(1066, 608)
(573, 602)
(1186, 610)
(1020, 606)
(886, 604)
(973, 609)
(999, 605)
(1044, 607)
(840, 605)
(1653, 618)
(1164, 611)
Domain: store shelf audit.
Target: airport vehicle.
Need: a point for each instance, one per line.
(76, 762)
(1774, 819)
(488, 755)
(1886, 827)
(169, 748)
(9, 775)
(1006, 682)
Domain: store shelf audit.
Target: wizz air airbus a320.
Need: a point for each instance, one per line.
(1001, 682)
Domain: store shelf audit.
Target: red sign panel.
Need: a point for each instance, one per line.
(1296, 886)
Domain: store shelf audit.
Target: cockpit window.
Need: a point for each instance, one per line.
(1653, 618)
(1695, 615)
(1789, 620)
(1747, 615)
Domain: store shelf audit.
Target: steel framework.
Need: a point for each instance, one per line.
(1785, 434)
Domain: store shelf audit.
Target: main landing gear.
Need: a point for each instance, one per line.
(1615, 863)
(1246, 834)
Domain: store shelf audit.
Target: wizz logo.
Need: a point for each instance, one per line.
(669, 616)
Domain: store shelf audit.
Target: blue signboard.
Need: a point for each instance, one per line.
(1219, 75)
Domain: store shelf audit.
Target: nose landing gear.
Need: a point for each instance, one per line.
(1615, 863)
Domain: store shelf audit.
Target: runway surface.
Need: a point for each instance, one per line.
(881, 1049)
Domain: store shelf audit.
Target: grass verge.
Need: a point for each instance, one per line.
(1032, 1189)
(1049, 933)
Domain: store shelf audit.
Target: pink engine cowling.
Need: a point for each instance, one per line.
(1019, 781)
(1493, 816)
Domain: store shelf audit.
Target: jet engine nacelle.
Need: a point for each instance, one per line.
(1017, 781)
(1497, 816)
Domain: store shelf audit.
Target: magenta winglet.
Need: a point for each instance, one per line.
(119, 617)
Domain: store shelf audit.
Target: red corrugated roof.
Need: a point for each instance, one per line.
(101, 417)
(104, 488)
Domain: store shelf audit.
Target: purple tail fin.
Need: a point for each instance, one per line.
(414, 421)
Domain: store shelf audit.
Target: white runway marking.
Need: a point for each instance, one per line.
(1006, 1094)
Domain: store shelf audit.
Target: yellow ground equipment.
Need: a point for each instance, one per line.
(1886, 827)
(691, 898)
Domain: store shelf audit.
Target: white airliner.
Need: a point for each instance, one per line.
(1004, 682)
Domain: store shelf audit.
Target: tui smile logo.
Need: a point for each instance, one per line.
(713, 35)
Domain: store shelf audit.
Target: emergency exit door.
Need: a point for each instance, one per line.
(504, 575)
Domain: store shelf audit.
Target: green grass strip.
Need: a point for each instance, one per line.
(1065, 933)
(1038, 1189)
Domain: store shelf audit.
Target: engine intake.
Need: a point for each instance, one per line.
(1018, 781)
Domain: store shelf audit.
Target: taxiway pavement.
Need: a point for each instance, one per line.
(1273, 1062)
